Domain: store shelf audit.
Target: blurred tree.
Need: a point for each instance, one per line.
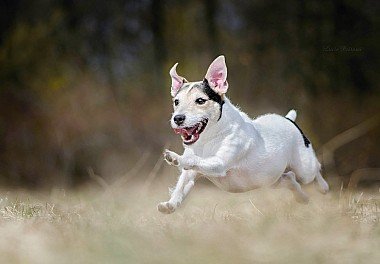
(212, 30)
(8, 11)
(157, 28)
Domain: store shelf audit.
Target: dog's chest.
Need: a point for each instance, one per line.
(207, 149)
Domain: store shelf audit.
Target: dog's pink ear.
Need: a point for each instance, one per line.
(177, 81)
(217, 75)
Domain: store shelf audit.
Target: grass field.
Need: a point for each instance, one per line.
(122, 225)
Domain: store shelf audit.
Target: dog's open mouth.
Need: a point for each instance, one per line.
(191, 134)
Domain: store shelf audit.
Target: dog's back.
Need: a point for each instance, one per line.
(282, 137)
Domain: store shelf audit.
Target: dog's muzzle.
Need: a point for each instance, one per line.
(191, 134)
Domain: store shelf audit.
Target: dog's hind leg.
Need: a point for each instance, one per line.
(183, 187)
(323, 186)
(288, 180)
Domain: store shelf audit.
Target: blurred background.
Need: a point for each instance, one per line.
(85, 89)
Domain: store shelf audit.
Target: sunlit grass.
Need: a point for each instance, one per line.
(123, 226)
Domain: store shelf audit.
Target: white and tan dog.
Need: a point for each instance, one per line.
(233, 151)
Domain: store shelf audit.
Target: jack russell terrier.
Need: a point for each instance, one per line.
(232, 150)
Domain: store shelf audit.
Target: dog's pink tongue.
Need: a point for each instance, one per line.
(184, 131)
(181, 131)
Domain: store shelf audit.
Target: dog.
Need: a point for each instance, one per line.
(232, 150)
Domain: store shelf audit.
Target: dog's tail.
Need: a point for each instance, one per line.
(292, 115)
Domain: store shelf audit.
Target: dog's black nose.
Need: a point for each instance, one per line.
(179, 119)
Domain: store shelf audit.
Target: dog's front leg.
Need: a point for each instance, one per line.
(184, 185)
(216, 165)
(212, 166)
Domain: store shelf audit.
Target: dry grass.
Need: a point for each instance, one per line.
(123, 226)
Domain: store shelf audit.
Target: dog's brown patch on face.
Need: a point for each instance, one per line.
(188, 106)
(197, 115)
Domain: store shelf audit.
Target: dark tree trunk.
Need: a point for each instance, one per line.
(160, 52)
(211, 10)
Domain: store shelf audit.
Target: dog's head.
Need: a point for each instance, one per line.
(198, 105)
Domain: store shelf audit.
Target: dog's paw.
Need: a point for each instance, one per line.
(171, 157)
(165, 208)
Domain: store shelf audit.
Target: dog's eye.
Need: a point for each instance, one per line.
(200, 101)
(176, 102)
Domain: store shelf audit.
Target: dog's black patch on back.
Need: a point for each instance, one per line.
(212, 95)
(305, 139)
